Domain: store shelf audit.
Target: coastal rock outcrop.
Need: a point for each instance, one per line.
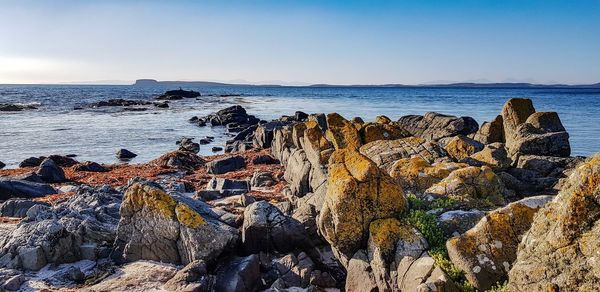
(385, 152)
(7, 107)
(560, 250)
(169, 228)
(491, 132)
(177, 94)
(435, 126)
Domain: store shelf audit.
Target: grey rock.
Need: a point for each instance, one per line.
(385, 152)
(456, 222)
(239, 274)
(90, 166)
(18, 207)
(434, 126)
(50, 172)
(261, 179)
(24, 189)
(193, 277)
(124, 154)
(227, 187)
(225, 165)
(188, 144)
(14, 283)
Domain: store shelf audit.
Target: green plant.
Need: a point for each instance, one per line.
(415, 203)
(427, 225)
(442, 203)
(499, 287)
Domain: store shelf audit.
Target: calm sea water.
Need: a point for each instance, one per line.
(95, 134)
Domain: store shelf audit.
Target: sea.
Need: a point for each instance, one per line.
(57, 126)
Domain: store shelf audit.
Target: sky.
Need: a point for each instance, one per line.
(297, 42)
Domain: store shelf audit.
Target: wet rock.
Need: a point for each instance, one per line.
(385, 152)
(2, 165)
(124, 154)
(163, 104)
(434, 126)
(18, 207)
(560, 250)
(119, 102)
(239, 274)
(179, 159)
(470, 187)
(31, 162)
(177, 94)
(487, 251)
(217, 149)
(266, 229)
(225, 165)
(90, 166)
(170, 228)
(461, 147)
(234, 114)
(491, 132)
(264, 159)
(188, 145)
(50, 172)
(358, 193)
(6, 107)
(261, 179)
(23, 189)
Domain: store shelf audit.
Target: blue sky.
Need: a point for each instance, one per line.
(341, 42)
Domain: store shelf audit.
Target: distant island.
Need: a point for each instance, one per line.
(152, 82)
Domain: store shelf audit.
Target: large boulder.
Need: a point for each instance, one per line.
(264, 134)
(50, 172)
(491, 132)
(486, 252)
(358, 192)
(416, 175)
(265, 228)
(470, 187)
(434, 126)
(385, 152)
(169, 228)
(179, 159)
(232, 115)
(239, 274)
(493, 155)
(530, 132)
(226, 164)
(10, 188)
(560, 250)
(461, 147)
(341, 132)
(297, 173)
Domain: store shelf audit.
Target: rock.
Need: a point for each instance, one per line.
(124, 154)
(385, 152)
(546, 165)
(416, 175)
(178, 94)
(264, 159)
(31, 162)
(246, 200)
(493, 155)
(136, 276)
(456, 222)
(119, 102)
(261, 179)
(300, 116)
(217, 149)
(14, 283)
(491, 132)
(359, 276)
(470, 187)
(6, 107)
(297, 173)
(514, 113)
(188, 145)
(169, 228)
(358, 193)
(560, 250)
(381, 131)
(266, 229)
(239, 274)
(341, 132)
(90, 166)
(486, 252)
(226, 164)
(179, 159)
(264, 134)
(425, 275)
(461, 147)
(434, 126)
(191, 278)
(293, 271)
(234, 114)
(18, 207)
(227, 187)
(50, 172)
(23, 189)
(162, 104)
(546, 121)
(2, 165)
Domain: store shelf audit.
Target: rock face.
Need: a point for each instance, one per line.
(560, 251)
(530, 132)
(487, 251)
(385, 152)
(169, 228)
(239, 274)
(18, 207)
(416, 175)
(358, 193)
(225, 165)
(434, 126)
(50, 172)
(491, 132)
(461, 147)
(24, 189)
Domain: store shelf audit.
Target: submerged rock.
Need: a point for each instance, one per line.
(119, 102)
(7, 107)
(124, 154)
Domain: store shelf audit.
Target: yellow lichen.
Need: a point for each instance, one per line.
(188, 217)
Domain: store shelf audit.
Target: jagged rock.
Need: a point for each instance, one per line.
(226, 164)
(493, 155)
(124, 154)
(294, 271)
(360, 277)
(10, 188)
(318, 149)
(261, 179)
(358, 193)
(18, 207)
(282, 142)
(264, 134)
(188, 145)
(461, 147)
(90, 166)
(486, 252)
(434, 126)
(297, 173)
(470, 187)
(456, 222)
(320, 119)
(239, 274)
(528, 132)
(193, 277)
(560, 250)
(547, 165)
(234, 114)
(57, 234)
(341, 132)
(385, 152)
(179, 159)
(416, 175)
(50, 172)
(170, 228)
(266, 229)
(491, 132)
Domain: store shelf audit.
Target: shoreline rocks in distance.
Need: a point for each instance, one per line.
(178, 94)
(8, 107)
(125, 155)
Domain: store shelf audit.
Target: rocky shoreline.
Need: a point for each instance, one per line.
(315, 202)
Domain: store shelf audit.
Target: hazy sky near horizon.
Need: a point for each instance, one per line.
(341, 42)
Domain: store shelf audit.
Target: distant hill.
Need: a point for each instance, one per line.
(152, 82)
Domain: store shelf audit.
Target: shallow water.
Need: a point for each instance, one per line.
(95, 134)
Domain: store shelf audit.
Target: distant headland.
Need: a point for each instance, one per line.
(153, 82)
